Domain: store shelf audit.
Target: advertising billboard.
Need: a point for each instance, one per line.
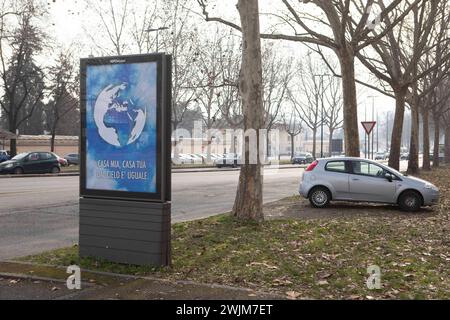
(124, 111)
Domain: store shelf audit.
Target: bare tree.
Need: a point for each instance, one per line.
(333, 113)
(441, 107)
(113, 19)
(293, 126)
(277, 77)
(432, 58)
(249, 196)
(446, 125)
(229, 102)
(308, 98)
(64, 80)
(395, 61)
(148, 22)
(349, 29)
(22, 81)
(214, 53)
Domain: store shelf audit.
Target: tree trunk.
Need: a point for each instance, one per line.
(12, 142)
(413, 162)
(447, 144)
(396, 138)
(314, 142)
(52, 140)
(330, 142)
(52, 143)
(249, 196)
(13, 147)
(347, 62)
(437, 135)
(292, 145)
(426, 139)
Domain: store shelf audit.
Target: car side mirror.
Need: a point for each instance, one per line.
(389, 177)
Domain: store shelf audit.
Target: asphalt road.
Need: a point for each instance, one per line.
(41, 213)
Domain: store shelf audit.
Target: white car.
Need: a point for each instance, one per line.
(182, 159)
(363, 180)
(229, 160)
(195, 158)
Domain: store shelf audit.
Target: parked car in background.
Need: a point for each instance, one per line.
(31, 162)
(196, 159)
(63, 162)
(337, 154)
(72, 159)
(182, 158)
(404, 156)
(302, 158)
(213, 157)
(229, 160)
(380, 156)
(4, 156)
(356, 179)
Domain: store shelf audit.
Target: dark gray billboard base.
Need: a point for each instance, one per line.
(128, 232)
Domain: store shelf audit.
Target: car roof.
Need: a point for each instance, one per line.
(346, 158)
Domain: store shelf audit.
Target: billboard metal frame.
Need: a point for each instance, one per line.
(164, 87)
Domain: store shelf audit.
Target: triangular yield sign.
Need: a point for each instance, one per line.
(368, 126)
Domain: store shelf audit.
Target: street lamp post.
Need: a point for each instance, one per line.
(157, 34)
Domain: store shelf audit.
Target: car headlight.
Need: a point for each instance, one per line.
(9, 165)
(432, 187)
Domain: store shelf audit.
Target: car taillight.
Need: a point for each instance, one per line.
(312, 166)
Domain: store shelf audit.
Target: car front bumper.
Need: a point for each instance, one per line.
(430, 197)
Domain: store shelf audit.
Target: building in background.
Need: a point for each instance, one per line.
(63, 144)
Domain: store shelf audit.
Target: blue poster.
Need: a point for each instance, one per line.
(121, 127)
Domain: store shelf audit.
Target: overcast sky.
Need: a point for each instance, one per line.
(70, 19)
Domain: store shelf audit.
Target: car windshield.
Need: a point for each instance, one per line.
(391, 170)
(20, 156)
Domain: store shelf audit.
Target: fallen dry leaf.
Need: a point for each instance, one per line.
(292, 294)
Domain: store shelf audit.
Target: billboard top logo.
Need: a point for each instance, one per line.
(117, 61)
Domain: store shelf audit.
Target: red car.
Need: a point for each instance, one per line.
(63, 162)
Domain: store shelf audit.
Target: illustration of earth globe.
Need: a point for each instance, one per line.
(119, 120)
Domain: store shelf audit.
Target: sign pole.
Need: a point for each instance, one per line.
(368, 127)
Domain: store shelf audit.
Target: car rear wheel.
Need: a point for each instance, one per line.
(410, 201)
(55, 170)
(18, 171)
(319, 197)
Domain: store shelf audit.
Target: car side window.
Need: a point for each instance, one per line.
(336, 166)
(368, 169)
(33, 157)
(46, 156)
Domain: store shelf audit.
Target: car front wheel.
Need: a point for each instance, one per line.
(18, 171)
(319, 197)
(55, 170)
(410, 201)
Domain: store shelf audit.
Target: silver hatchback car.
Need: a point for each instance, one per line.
(356, 179)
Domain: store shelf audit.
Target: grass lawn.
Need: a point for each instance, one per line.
(309, 258)
(71, 168)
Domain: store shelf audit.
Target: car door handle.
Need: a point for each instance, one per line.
(355, 179)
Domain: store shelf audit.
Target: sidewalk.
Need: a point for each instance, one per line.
(28, 282)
